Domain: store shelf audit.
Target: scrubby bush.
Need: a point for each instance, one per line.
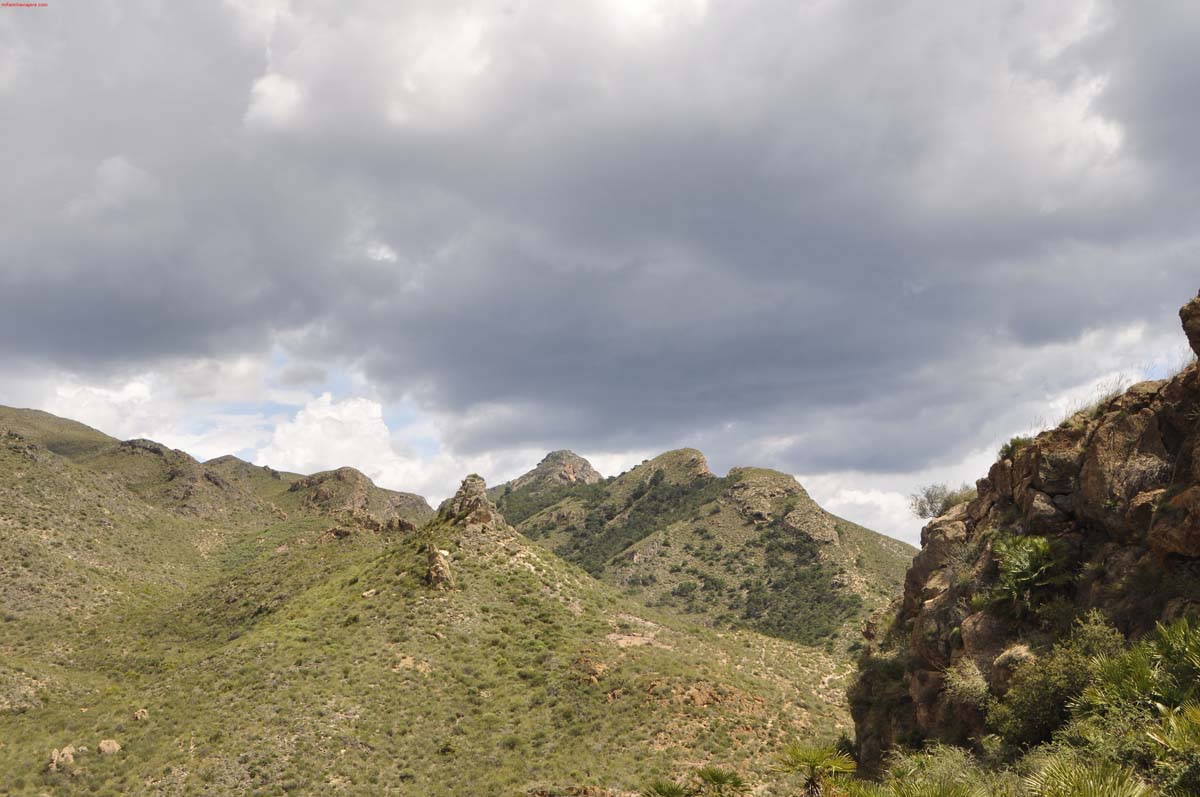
(1143, 705)
(1014, 444)
(942, 771)
(965, 684)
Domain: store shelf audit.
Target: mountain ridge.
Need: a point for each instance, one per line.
(233, 628)
(747, 549)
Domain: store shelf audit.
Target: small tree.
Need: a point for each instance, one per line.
(935, 500)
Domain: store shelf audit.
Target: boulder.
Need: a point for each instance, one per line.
(437, 573)
(62, 758)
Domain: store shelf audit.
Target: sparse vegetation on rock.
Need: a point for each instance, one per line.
(1046, 625)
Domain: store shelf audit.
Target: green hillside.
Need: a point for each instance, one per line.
(240, 630)
(747, 550)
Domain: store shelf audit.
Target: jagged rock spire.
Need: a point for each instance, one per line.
(471, 498)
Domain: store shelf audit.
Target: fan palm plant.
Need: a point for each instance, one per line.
(818, 767)
(717, 782)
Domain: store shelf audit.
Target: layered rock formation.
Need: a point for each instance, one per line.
(1110, 501)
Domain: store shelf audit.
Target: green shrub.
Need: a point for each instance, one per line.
(942, 771)
(1014, 444)
(1042, 689)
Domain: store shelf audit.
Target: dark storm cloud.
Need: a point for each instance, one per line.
(848, 228)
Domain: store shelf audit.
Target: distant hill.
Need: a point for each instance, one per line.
(747, 550)
(557, 469)
(236, 629)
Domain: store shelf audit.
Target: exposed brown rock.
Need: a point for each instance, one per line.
(109, 747)
(1189, 314)
(335, 533)
(1116, 488)
(348, 494)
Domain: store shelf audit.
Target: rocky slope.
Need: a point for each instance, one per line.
(1102, 512)
(234, 629)
(750, 549)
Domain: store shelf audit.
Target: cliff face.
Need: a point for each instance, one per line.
(1102, 512)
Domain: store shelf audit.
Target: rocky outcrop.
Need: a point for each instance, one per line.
(470, 519)
(61, 759)
(1189, 314)
(437, 572)
(348, 494)
(189, 487)
(763, 496)
(1113, 497)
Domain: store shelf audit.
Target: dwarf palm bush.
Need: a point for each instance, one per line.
(666, 788)
(710, 782)
(1178, 740)
(942, 771)
(1064, 777)
(1030, 567)
(717, 782)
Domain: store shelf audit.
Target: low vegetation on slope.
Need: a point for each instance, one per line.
(174, 627)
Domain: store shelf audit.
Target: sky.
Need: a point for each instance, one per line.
(863, 242)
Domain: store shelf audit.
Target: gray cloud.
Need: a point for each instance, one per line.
(870, 229)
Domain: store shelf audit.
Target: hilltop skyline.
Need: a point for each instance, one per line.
(861, 245)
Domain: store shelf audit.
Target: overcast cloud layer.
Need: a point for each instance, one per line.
(858, 241)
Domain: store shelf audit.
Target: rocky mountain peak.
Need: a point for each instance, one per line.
(568, 467)
(471, 495)
(349, 492)
(558, 468)
(681, 465)
(472, 509)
